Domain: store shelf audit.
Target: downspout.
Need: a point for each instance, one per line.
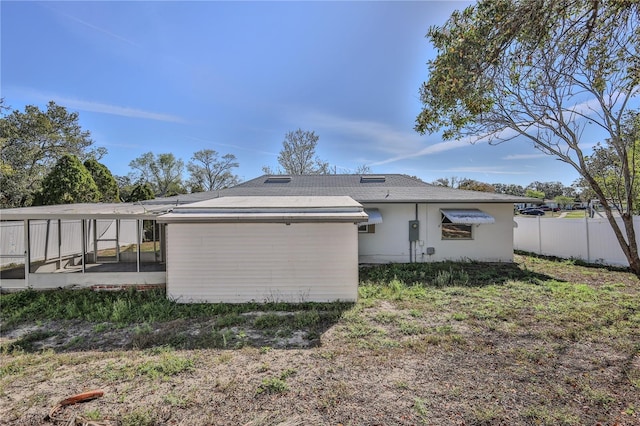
(415, 243)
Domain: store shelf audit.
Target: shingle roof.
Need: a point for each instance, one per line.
(391, 188)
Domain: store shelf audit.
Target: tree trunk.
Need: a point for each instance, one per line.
(629, 245)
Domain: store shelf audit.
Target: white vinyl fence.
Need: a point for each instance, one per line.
(591, 240)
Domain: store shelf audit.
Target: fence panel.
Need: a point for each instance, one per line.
(591, 240)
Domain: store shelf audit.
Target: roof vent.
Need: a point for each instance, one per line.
(278, 179)
(372, 179)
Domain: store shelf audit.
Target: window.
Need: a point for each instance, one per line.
(367, 229)
(455, 231)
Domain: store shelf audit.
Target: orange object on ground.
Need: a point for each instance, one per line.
(81, 397)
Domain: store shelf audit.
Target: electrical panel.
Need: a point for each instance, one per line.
(414, 230)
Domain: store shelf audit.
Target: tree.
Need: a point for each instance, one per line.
(532, 193)
(546, 71)
(68, 182)
(609, 169)
(562, 200)
(141, 192)
(474, 185)
(363, 169)
(163, 172)
(210, 173)
(31, 143)
(509, 189)
(550, 189)
(104, 180)
(298, 155)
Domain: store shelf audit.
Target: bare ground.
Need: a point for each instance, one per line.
(385, 362)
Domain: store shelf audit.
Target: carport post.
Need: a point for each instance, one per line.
(27, 253)
(139, 227)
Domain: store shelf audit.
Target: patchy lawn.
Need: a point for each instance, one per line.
(539, 342)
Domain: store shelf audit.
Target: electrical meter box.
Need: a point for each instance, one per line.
(414, 230)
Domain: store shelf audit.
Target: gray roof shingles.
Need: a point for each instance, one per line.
(395, 188)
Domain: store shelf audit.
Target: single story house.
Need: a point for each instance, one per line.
(273, 238)
(409, 220)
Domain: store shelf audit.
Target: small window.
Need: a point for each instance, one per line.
(367, 229)
(456, 231)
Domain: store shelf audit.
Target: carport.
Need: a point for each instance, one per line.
(264, 249)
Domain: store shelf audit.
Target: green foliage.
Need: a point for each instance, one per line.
(31, 143)
(68, 182)
(163, 172)
(532, 193)
(140, 307)
(271, 385)
(167, 366)
(618, 175)
(526, 70)
(104, 180)
(474, 185)
(141, 192)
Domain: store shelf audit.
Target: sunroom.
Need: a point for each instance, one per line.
(81, 245)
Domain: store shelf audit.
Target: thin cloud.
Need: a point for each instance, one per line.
(93, 27)
(243, 148)
(486, 170)
(93, 106)
(524, 156)
(379, 136)
(431, 149)
(117, 110)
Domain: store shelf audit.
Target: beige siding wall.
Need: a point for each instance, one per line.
(241, 262)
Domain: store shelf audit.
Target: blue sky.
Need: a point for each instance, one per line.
(236, 76)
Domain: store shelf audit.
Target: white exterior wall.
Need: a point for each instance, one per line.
(263, 262)
(492, 242)
(390, 242)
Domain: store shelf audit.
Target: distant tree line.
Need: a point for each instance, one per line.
(48, 159)
(556, 191)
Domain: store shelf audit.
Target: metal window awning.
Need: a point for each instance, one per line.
(467, 216)
(375, 217)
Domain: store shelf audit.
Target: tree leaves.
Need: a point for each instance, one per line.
(68, 182)
(31, 142)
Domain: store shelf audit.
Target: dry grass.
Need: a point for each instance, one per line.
(553, 343)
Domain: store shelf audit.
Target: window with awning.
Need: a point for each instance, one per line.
(457, 224)
(467, 216)
(375, 217)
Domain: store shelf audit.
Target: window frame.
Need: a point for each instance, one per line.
(367, 229)
(446, 224)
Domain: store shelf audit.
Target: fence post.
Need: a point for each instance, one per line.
(586, 222)
(539, 236)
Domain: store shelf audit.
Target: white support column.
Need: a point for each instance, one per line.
(83, 223)
(27, 253)
(139, 224)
